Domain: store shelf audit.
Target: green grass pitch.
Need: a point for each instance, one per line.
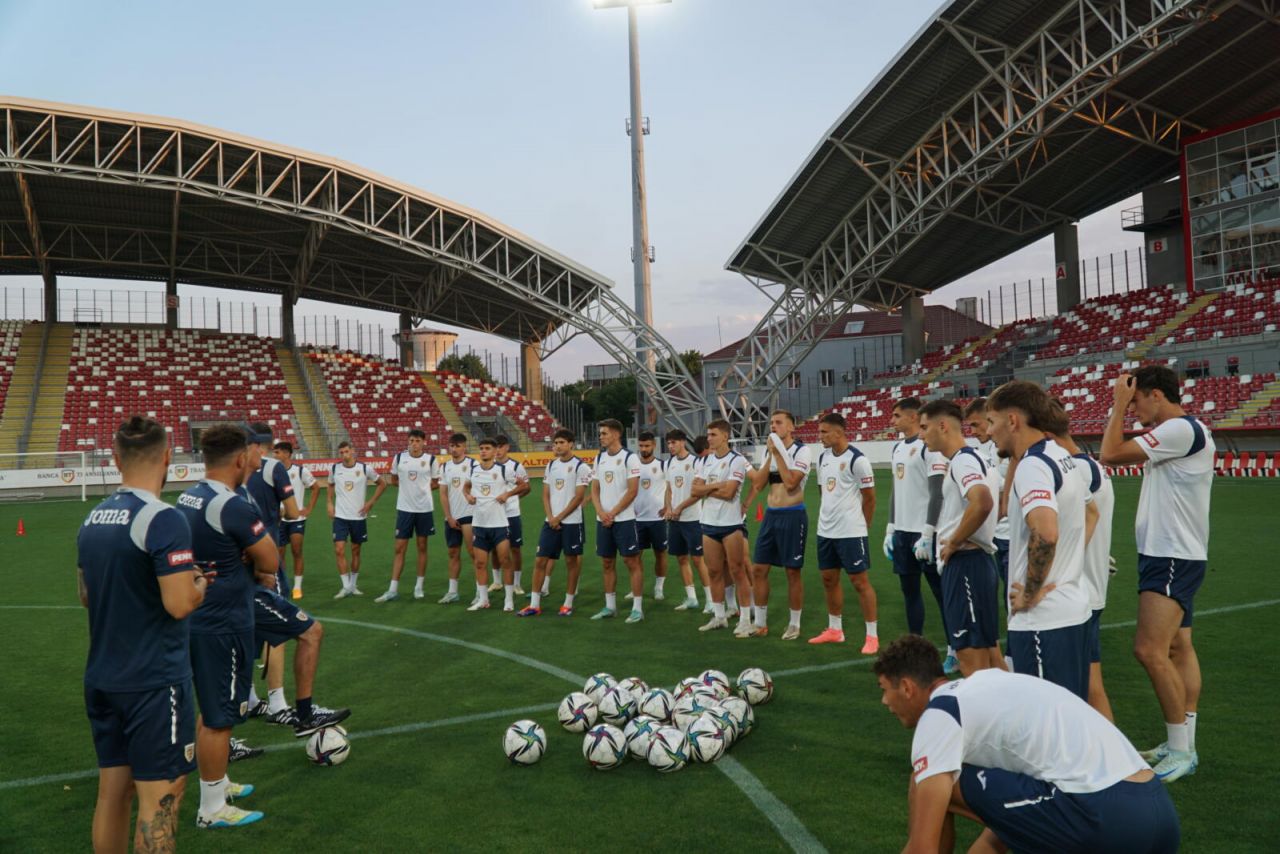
(824, 747)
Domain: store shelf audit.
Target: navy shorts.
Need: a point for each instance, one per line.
(618, 539)
(1173, 577)
(1059, 655)
(153, 732)
(568, 538)
(357, 530)
(652, 535)
(515, 531)
(222, 673)
(782, 537)
(1095, 637)
(276, 619)
(904, 560)
(453, 536)
(410, 525)
(1031, 815)
(684, 538)
(1002, 561)
(719, 532)
(847, 553)
(487, 539)
(288, 529)
(971, 600)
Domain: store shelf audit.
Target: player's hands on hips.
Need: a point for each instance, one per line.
(945, 551)
(888, 541)
(1123, 390)
(1019, 601)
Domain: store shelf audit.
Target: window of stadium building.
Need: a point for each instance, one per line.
(1233, 188)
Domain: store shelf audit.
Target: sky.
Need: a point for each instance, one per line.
(516, 108)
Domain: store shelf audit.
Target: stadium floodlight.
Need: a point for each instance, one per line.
(640, 249)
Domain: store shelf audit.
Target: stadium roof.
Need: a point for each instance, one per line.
(1001, 119)
(101, 193)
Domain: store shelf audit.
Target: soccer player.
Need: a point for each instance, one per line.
(564, 489)
(652, 530)
(487, 488)
(229, 538)
(975, 418)
(1173, 545)
(515, 526)
(137, 580)
(848, 489)
(966, 524)
(293, 531)
(914, 505)
(414, 474)
(614, 487)
(782, 535)
(684, 515)
(1048, 602)
(349, 507)
(1038, 767)
(457, 512)
(724, 531)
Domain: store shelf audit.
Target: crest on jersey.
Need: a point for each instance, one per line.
(302, 616)
(68, 475)
(831, 484)
(842, 465)
(608, 477)
(484, 489)
(189, 751)
(413, 475)
(679, 481)
(644, 484)
(180, 472)
(559, 483)
(711, 478)
(348, 485)
(454, 483)
(900, 470)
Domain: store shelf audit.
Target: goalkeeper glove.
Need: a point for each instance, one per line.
(888, 541)
(923, 549)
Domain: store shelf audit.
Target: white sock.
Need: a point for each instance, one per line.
(297, 582)
(762, 616)
(637, 604)
(836, 622)
(751, 591)
(1191, 729)
(394, 586)
(731, 595)
(276, 701)
(508, 595)
(657, 585)
(871, 629)
(535, 600)
(417, 584)
(717, 608)
(253, 697)
(690, 593)
(497, 575)
(706, 591)
(453, 586)
(346, 581)
(743, 617)
(546, 586)
(355, 578)
(611, 601)
(795, 618)
(1008, 662)
(568, 599)
(519, 574)
(213, 796)
(1179, 736)
(481, 592)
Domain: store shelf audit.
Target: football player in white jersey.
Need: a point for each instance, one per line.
(1173, 546)
(515, 525)
(487, 489)
(652, 530)
(1039, 768)
(293, 531)
(848, 489)
(684, 515)
(454, 473)
(415, 475)
(914, 504)
(564, 490)
(1048, 600)
(349, 507)
(614, 487)
(966, 524)
(784, 532)
(724, 532)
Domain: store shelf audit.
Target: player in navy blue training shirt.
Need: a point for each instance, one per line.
(225, 530)
(137, 579)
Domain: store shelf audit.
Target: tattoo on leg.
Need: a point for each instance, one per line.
(159, 834)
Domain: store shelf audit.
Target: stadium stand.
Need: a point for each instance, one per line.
(867, 413)
(10, 336)
(179, 377)
(472, 397)
(1243, 309)
(1112, 323)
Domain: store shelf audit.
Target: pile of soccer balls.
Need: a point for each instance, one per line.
(697, 722)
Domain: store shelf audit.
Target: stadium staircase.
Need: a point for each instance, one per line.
(331, 424)
(1251, 408)
(443, 403)
(308, 433)
(1164, 330)
(963, 353)
(18, 397)
(44, 424)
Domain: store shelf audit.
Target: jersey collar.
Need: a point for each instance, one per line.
(141, 493)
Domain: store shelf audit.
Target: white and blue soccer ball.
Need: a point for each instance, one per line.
(617, 706)
(637, 686)
(685, 685)
(596, 686)
(668, 750)
(755, 686)
(716, 681)
(657, 704)
(689, 708)
(741, 714)
(724, 720)
(577, 712)
(604, 747)
(707, 738)
(328, 746)
(638, 731)
(524, 742)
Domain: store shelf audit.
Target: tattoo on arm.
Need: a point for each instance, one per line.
(159, 832)
(1039, 560)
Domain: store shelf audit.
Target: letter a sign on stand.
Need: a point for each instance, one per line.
(1060, 272)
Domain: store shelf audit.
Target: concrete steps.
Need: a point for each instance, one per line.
(1261, 399)
(446, 407)
(307, 421)
(46, 421)
(1156, 338)
(18, 399)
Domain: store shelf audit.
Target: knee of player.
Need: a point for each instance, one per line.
(313, 634)
(1148, 651)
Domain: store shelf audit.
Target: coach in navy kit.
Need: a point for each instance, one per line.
(138, 582)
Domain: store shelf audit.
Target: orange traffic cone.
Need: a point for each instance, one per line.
(22, 531)
(759, 512)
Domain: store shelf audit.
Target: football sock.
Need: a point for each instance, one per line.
(213, 795)
(535, 599)
(611, 601)
(1191, 729)
(1179, 737)
(568, 599)
(795, 618)
(637, 604)
(497, 575)
(355, 577)
(508, 595)
(657, 585)
(731, 594)
(394, 586)
(417, 585)
(706, 591)
(691, 593)
(871, 629)
(276, 701)
(546, 586)
(304, 707)
(453, 586)
(717, 608)
(297, 582)
(762, 615)
(519, 573)
(253, 696)
(836, 622)
(346, 581)
(743, 618)
(481, 592)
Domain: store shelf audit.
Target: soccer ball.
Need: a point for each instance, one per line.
(597, 685)
(577, 713)
(328, 746)
(638, 731)
(668, 750)
(689, 708)
(657, 704)
(637, 686)
(716, 681)
(524, 742)
(684, 686)
(707, 738)
(617, 706)
(724, 720)
(741, 713)
(604, 746)
(755, 686)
